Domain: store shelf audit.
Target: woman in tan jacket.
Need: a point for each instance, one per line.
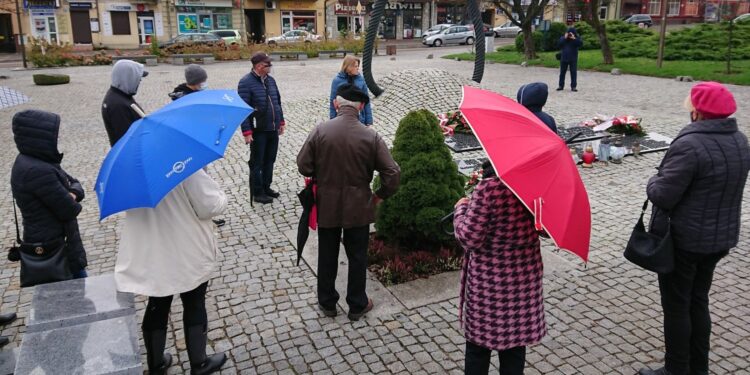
(168, 250)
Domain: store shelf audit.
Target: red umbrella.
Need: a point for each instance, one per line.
(535, 164)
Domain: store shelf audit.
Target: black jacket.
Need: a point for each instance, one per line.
(265, 100)
(41, 187)
(699, 185)
(117, 114)
(534, 96)
(181, 91)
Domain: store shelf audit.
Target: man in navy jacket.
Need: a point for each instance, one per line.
(263, 127)
(569, 45)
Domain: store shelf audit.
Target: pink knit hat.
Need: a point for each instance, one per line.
(712, 100)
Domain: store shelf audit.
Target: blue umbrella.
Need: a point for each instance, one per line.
(164, 148)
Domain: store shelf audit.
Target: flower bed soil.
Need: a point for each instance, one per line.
(394, 265)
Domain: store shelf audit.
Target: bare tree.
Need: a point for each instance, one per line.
(525, 12)
(590, 15)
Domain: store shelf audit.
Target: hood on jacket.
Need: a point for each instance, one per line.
(126, 76)
(35, 133)
(533, 96)
(181, 91)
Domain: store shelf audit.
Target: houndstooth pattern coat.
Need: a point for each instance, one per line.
(501, 304)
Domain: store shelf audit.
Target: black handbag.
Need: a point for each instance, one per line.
(43, 262)
(652, 252)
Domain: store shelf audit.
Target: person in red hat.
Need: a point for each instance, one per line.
(698, 191)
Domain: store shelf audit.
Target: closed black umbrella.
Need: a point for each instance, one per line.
(250, 175)
(307, 199)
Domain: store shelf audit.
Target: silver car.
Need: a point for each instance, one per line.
(507, 29)
(436, 29)
(451, 35)
(294, 36)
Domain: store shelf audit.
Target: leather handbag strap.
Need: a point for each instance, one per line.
(643, 211)
(15, 219)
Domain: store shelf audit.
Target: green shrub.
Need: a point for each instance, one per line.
(536, 36)
(550, 38)
(50, 79)
(430, 185)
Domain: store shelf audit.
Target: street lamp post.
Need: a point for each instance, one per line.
(20, 34)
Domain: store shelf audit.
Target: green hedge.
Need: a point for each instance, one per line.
(50, 79)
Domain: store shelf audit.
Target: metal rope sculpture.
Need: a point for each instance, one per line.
(377, 13)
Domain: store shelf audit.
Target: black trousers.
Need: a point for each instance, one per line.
(687, 322)
(193, 309)
(263, 151)
(564, 65)
(356, 241)
(512, 361)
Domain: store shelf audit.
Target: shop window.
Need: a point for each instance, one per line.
(222, 21)
(120, 23)
(298, 20)
(412, 23)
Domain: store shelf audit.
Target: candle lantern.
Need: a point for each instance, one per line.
(636, 148)
(588, 156)
(604, 150)
(618, 151)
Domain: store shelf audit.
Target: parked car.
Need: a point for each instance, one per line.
(230, 36)
(196, 38)
(451, 35)
(294, 36)
(507, 30)
(640, 18)
(435, 29)
(743, 17)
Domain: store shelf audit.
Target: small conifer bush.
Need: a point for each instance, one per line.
(430, 185)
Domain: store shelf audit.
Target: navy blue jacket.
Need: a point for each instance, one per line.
(263, 96)
(534, 96)
(569, 48)
(365, 115)
(42, 188)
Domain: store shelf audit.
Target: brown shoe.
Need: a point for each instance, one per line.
(356, 316)
(329, 313)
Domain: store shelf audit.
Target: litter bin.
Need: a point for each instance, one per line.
(390, 49)
(489, 42)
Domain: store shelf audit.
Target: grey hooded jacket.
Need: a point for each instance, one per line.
(116, 111)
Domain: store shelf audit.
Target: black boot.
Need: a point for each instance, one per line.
(660, 371)
(195, 339)
(7, 318)
(158, 360)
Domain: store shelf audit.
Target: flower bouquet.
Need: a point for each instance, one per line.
(453, 122)
(473, 181)
(627, 125)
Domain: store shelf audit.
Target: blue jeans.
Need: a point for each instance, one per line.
(263, 151)
(573, 73)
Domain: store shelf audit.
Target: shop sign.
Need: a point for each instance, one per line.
(40, 4)
(187, 23)
(400, 6)
(120, 7)
(42, 13)
(351, 9)
(204, 3)
(80, 5)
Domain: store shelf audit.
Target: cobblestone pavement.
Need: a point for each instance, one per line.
(603, 318)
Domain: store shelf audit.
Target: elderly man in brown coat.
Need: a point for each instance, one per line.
(342, 154)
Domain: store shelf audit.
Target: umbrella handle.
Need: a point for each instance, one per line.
(538, 213)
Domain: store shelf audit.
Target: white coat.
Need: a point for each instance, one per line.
(171, 249)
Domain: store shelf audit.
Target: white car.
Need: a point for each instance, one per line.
(294, 36)
(743, 17)
(436, 29)
(507, 29)
(452, 35)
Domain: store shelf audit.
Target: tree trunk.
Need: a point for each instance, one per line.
(601, 32)
(528, 42)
